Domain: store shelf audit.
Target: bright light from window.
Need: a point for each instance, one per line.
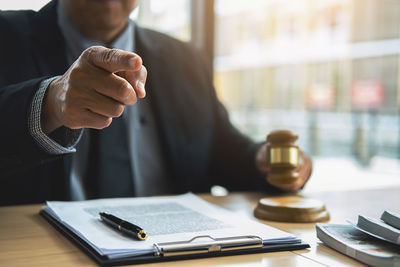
(23, 4)
(327, 69)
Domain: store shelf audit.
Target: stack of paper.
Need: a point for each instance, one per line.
(165, 219)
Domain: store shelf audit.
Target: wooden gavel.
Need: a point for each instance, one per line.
(287, 166)
(283, 158)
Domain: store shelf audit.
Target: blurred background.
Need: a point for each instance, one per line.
(327, 69)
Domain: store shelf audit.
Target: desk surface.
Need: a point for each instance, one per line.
(28, 239)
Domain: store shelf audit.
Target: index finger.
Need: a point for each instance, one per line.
(112, 60)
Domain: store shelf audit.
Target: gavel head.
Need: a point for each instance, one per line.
(282, 157)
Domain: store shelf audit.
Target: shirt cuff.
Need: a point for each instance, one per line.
(51, 146)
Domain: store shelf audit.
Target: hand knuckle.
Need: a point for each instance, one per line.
(118, 110)
(88, 53)
(110, 55)
(123, 90)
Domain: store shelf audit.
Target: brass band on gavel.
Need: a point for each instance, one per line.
(284, 155)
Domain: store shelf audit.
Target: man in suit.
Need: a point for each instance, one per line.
(82, 117)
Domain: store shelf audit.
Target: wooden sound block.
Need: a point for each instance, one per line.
(291, 209)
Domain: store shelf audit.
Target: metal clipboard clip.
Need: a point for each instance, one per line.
(194, 246)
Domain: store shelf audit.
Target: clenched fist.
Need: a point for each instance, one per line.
(94, 90)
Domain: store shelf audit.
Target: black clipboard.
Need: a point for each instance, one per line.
(173, 251)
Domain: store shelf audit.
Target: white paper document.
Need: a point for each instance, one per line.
(165, 219)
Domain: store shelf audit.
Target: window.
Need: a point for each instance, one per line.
(328, 70)
(171, 17)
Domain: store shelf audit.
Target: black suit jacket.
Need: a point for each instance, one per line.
(201, 147)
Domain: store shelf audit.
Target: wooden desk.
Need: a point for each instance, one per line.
(27, 239)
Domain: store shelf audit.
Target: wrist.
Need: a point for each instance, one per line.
(49, 118)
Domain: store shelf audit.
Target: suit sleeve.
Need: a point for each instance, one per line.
(20, 147)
